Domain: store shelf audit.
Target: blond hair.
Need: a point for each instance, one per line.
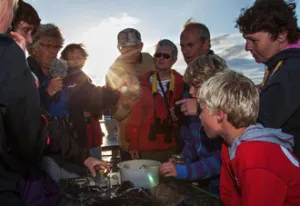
(234, 94)
(202, 68)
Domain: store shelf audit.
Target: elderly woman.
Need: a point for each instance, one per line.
(150, 127)
(64, 101)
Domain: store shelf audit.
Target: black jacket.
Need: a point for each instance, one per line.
(21, 142)
(280, 96)
(81, 95)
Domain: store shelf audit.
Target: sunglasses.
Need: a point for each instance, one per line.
(163, 55)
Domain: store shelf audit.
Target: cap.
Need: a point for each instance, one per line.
(129, 37)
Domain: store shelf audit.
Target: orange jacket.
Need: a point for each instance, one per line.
(142, 116)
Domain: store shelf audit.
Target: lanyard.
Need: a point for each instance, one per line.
(155, 78)
(268, 74)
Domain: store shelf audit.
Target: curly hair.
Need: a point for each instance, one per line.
(273, 17)
(71, 48)
(25, 12)
(202, 68)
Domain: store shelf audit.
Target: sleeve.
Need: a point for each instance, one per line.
(96, 99)
(20, 97)
(189, 150)
(268, 189)
(228, 193)
(280, 100)
(227, 188)
(202, 169)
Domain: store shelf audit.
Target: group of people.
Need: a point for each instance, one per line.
(239, 140)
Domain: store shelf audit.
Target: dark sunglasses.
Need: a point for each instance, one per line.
(165, 56)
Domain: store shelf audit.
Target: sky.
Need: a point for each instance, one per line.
(96, 23)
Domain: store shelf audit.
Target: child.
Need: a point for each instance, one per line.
(258, 167)
(76, 55)
(202, 155)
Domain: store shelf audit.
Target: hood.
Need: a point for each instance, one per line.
(296, 45)
(282, 55)
(259, 133)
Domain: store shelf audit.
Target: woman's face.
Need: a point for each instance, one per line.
(163, 58)
(26, 30)
(46, 50)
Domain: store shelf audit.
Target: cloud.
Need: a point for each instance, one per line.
(100, 41)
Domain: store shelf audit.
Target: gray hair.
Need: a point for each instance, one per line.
(170, 44)
(204, 33)
(45, 30)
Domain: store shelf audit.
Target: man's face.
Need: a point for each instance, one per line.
(261, 46)
(75, 59)
(163, 58)
(209, 121)
(26, 30)
(191, 45)
(46, 51)
(131, 53)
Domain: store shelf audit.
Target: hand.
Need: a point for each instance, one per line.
(19, 39)
(173, 116)
(94, 165)
(55, 85)
(168, 169)
(188, 106)
(134, 154)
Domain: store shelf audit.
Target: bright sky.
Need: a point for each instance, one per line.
(96, 24)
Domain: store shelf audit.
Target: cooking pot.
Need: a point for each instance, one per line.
(142, 173)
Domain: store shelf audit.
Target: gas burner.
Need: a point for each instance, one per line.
(80, 182)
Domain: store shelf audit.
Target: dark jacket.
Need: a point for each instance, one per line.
(280, 96)
(81, 95)
(21, 142)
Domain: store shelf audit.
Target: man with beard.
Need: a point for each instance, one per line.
(128, 67)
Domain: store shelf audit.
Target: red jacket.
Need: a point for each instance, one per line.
(260, 174)
(94, 133)
(142, 116)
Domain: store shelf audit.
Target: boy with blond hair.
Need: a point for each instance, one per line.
(202, 155)
(258, 167)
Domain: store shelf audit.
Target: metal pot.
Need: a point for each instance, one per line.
(142, 173)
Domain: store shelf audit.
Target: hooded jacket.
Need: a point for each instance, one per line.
(259, 169)
(114, 78)
(280, 96)
(22, 132)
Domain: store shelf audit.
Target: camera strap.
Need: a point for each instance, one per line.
(171, 89)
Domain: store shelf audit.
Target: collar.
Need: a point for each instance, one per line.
(154, 82)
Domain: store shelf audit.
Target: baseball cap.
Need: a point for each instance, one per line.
(129, 37)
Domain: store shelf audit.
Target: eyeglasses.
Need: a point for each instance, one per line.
(50, 46)
(163, 55)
